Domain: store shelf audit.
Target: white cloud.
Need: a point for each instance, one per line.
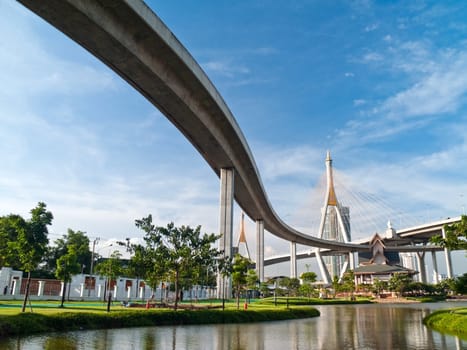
(30, 69)
(225, 68)
(359, 102)
(441, 91)
(371, 27)
(372, 57)
(263, 51)
(291, 161)
(438, 88)
(414, 57)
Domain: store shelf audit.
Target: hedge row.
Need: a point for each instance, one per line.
(29, 323)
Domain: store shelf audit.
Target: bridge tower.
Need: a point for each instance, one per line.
(334, 225)
(242, 238)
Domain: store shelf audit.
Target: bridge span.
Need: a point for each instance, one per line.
(129, 38)
(408, 240)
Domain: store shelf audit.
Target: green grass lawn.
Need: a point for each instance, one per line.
(47, 316)
(11, 307)
(281, 301)
(450, 321)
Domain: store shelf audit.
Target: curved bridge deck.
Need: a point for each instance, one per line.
(129, 38)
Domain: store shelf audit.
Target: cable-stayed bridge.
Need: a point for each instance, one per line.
(130, 39)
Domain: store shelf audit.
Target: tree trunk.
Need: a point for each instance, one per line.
(106, 289)
(69, 290)
(26, 293)
(238, 298)
(63, 294)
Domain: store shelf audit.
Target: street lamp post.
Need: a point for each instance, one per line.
(96, 240)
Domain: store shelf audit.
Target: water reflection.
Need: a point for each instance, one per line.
(60, 342)
(338, 327)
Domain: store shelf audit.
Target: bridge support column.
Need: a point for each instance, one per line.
(421, 266)
(322, 267)
(224, 285)
(260, 250)
(447, 255)
(351, 261)
(344, 269)
(293, 260)
(435, 267)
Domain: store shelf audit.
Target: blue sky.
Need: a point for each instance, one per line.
(381, 84)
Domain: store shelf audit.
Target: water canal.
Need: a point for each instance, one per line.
(374, 326)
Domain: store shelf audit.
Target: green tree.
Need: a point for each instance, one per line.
(76, 240)
(306, 289)
(290, 284)
(399, 282)
(178, 250)
(456, 235)
(67, 266)
(141, 266)
(336, 286)
(447, 286)
(80, 243)
(111, 268)
(308, 279)
(224, 269)
(252, 281)
(31, 243)
(240, 269)
(460, 284)
(348, 283)
(378, 286)
(148, 261)
(264, 289)
(10, 227)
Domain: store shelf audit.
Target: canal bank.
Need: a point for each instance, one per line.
(31, 323)
(371, 326)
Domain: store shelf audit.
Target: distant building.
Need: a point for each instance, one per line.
(379, 264)
(10, 281)
(87, 287)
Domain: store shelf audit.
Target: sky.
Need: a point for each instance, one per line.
(381, 84)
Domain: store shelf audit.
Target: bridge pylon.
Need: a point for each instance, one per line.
(242, 238)
(334, 225)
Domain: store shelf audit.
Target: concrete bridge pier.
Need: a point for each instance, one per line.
(421, 266)
(435, 267)
(260, 250)
(447, 255)
(351, 261)
(293, 260)
(322, 267)
(224, 285)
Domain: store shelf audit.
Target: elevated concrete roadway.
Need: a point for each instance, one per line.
(422, 233)
(403, 242)
(326, 252)
(129, 38)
